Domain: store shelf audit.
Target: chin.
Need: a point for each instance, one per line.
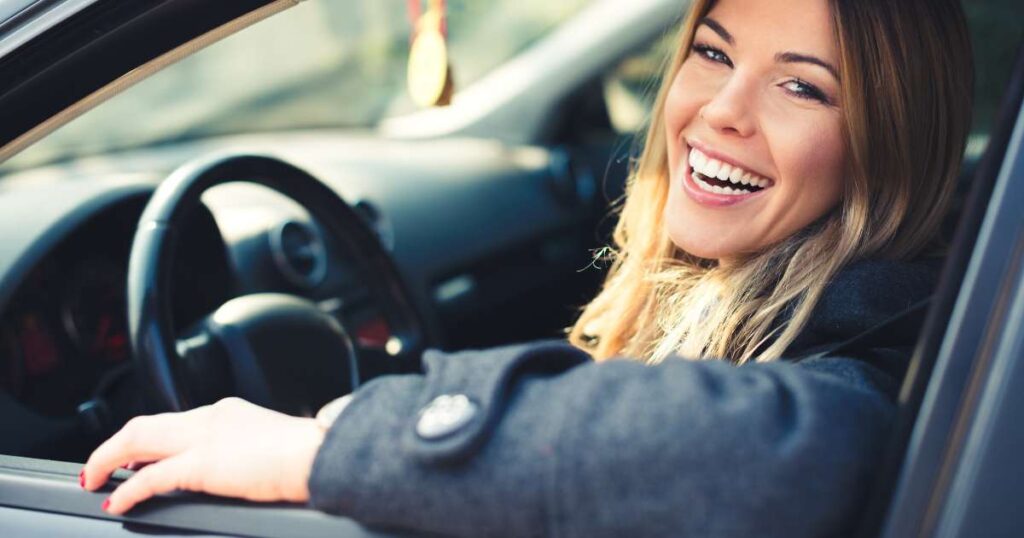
(691, 235)
(705, 247)
(714, 255)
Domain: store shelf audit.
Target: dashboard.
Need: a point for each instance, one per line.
(492, 242)
(64, 333)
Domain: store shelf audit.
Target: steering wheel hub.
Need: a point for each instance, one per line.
(282, 352)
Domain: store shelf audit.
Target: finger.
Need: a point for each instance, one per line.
(136, 465)
(164, 476)
(149, 438)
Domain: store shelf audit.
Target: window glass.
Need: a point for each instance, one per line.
(996, 35)
(321, 64)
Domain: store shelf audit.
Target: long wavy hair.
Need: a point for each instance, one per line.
(906, 83)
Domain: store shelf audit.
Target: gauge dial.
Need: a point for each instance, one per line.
(93, 312)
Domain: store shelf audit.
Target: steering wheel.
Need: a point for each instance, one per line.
(277, 350)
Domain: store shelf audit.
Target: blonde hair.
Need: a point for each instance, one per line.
(906, 91)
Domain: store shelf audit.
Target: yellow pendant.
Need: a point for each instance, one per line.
(429, 77)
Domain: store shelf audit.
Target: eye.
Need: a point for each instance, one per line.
(712, 54)
(805, 90)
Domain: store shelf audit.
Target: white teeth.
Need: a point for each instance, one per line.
(713, 168)
(724, 172)
(729, 191)
(697, 159)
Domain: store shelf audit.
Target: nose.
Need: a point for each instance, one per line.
(730, 109)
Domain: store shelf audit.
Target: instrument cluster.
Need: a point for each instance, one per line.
(65, 328)
(61, 338)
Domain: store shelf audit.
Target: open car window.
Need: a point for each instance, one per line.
(323, 64)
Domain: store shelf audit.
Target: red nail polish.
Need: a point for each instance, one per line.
(81, 478)
(106, 504)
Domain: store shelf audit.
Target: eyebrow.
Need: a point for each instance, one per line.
(718, 29)
(782, 57)
(793, 57)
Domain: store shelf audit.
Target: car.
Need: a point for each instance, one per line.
(201, 180)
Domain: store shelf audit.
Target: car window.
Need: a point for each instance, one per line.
(996, 33)
(321, 64)
(11, 8)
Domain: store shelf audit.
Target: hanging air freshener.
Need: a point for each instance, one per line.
(429, 75)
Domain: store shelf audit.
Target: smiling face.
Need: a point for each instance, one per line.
(753, 128)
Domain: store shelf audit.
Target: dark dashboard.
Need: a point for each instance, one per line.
(492, 242)
(64, 332)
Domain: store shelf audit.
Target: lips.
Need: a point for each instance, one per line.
(730, 184)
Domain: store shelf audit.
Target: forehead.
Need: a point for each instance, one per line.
(779, 25)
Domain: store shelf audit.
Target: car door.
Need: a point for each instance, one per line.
(954, 466)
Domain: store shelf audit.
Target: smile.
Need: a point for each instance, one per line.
(715, 176)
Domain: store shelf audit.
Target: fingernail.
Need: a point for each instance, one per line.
(106, 504)
(81, 478)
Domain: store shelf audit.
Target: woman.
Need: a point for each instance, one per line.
(795, 175)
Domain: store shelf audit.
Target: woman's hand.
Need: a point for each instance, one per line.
(232, 448)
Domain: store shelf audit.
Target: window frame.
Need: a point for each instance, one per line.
(73, 63)
(962, 344)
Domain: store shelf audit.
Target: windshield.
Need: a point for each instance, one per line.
(323, 64)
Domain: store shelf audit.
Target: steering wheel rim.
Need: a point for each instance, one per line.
(151, 263)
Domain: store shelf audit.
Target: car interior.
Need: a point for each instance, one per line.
(473, 226)
(493, 242)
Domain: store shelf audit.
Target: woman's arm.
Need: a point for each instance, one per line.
(558, 445)
(538, 440)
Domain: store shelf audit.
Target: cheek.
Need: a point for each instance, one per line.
(811, 155)
(811, 160)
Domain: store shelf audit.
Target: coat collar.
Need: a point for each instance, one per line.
(868, 294)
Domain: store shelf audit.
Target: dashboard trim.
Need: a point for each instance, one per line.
(52, 487)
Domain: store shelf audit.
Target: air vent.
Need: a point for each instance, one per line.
(299, 254)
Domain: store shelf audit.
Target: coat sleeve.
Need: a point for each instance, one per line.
(562, 446)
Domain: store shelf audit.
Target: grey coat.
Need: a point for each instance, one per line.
(553, 444)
